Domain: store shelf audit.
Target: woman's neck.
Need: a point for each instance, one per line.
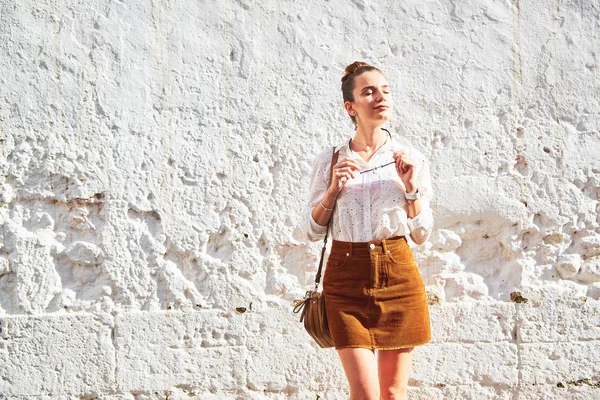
(372, 137)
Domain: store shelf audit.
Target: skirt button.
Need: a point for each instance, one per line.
(372, 246)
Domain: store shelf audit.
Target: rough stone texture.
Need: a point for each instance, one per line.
(56, 355)
(154, 159)
(554, 363)
(473, 322)
(548, 322)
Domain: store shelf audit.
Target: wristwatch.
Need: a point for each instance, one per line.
(413, 196)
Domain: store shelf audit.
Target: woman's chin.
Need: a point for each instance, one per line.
(383, 118)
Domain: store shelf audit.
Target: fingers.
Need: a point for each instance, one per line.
(407, 159)
(345, 172)
(346, 169)
(401, 158)
(401, 166)
(407, 163)
(348, 163)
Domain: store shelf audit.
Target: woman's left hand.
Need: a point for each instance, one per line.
(406, 167)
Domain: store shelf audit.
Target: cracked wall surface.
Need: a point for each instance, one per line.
(155, 159)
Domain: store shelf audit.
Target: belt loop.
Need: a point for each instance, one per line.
(351, 249)
(384, 245)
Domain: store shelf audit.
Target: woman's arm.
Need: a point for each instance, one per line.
(322, 196)
(321, 213)
(413, 207)
(418, 221)
(413, 169)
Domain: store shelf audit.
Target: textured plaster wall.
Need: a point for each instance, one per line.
(154, 159)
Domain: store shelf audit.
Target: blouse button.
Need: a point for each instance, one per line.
(372, 246)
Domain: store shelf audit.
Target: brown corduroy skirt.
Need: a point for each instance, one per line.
(374, 296)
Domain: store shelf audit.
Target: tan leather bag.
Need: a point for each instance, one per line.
(312, 306)
(314, 317)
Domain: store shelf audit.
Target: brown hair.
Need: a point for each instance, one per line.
(352, 71)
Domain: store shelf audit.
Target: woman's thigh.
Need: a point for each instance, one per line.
(394, 369)
(361, 370)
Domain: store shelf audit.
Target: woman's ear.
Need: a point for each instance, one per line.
(349, 108)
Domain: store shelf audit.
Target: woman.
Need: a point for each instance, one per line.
(379, 194)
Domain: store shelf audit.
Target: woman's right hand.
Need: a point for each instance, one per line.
(343, 171)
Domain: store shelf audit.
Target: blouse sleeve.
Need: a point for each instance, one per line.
(319, 183)
(421, 225)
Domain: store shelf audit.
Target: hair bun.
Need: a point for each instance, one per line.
(352, 68)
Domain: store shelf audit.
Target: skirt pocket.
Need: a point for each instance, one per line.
(346, 275)
(334, 263)
(401, 255)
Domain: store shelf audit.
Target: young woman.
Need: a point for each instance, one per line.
(379, 194)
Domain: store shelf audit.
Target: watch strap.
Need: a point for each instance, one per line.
(413, 196)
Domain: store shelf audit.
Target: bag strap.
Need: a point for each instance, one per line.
(334, 158)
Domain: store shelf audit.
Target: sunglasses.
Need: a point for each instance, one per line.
(379, 166)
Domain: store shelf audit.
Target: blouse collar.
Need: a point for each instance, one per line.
(345, 150)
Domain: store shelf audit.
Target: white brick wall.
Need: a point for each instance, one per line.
(154, 159)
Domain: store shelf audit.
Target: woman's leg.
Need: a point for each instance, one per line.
(394, 368)
(361, 370)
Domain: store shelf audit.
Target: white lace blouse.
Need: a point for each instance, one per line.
(371, 206)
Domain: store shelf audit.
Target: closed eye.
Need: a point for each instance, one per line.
(370, 90)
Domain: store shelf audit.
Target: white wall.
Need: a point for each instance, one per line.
(155, 158)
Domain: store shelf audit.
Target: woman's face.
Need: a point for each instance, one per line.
(372, 99)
